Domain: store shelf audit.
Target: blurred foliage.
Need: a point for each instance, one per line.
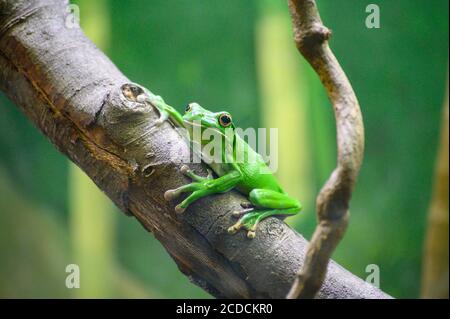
(33, 247)
(210, 52)
(284, 90)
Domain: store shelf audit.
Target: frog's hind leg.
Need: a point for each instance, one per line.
(267, 203)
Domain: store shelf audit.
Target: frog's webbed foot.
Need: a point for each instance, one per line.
(249, 222)
(252, 217)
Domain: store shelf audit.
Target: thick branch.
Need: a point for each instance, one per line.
(72, 93)
(311, 38)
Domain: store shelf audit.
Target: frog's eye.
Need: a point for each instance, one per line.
(225, 119)
(188, 108)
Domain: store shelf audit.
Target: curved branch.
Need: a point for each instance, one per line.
(72, 92)
(311, 38)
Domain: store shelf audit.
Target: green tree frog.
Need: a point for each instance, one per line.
(251, 178)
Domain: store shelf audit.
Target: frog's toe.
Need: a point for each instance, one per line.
(236, 213)
(179, 209)
(141, 98)
(239, 213)
(184, 169)
(159, 122)
(251, 234)
(233, 229)
(170, 195)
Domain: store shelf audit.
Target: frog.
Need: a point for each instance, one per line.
(252, 178)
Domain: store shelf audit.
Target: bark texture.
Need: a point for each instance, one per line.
(72, 92)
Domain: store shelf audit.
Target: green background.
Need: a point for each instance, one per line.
(210, 51)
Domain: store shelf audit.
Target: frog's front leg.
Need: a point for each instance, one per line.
(202, 187)
(188, 172)
(266, 203)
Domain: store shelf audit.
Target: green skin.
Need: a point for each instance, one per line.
(251, 178)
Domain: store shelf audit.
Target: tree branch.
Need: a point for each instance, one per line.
(311, 38)
(72, 93)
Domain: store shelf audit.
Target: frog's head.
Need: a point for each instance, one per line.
(196, 116)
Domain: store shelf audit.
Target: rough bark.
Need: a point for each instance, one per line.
(311, 39)
(72, 93)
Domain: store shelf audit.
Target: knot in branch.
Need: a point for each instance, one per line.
(313, 37)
